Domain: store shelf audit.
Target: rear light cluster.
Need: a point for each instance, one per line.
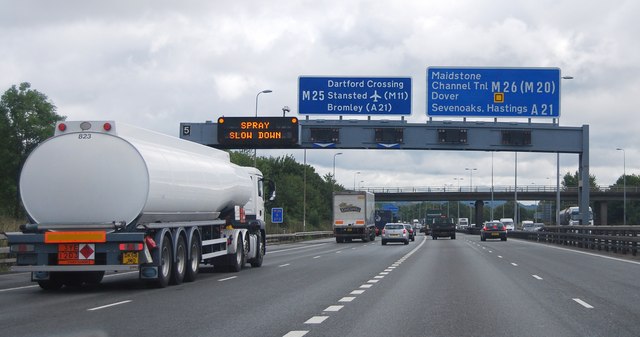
(85, 126)
(404, 231)
(131, 247)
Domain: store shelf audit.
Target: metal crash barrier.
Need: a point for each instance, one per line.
(615, 239)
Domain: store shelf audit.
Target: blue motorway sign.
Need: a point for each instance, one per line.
(354, 95)
(277, 215)
(493, 92)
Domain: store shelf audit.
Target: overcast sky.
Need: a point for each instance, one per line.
(156, 63)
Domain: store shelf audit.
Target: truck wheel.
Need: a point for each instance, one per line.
(72, 279)
(164, 269)
(257, 261)
(180, 264)
(237, 260)
(53, 283)
(93, 277)
(453, 237)
(193, 264)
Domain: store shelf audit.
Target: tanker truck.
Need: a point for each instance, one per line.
(102, 197)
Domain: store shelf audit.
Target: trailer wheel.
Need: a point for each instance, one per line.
(53, 283)
(166, 262)
(237, 260)
(257, 261)
(193, 264)
(180, 264)
(93, 277)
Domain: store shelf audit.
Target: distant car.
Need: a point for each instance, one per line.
(526, 224)
(532, 227)
(493, 230)
(412, 232)
(395, 232)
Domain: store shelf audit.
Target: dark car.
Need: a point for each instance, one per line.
(395, 232)
(493, 230)
(412, 232)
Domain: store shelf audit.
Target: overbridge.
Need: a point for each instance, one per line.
(599, 196)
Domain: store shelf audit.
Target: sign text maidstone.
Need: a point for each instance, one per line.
(354, 95)
(493, 92)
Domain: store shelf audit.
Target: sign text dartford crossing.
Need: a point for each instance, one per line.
(493, 92)
(354, 95)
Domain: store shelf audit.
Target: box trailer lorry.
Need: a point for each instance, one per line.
(354, 216)
(105, 197)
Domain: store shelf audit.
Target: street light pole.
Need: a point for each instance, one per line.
(624, 186)
(334, 167)
(458, 202)
(354, 180)
(470, 177)
(266, 91)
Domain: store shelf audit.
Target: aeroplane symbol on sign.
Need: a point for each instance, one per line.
(375, 96)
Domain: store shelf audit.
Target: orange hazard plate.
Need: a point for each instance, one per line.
(76, 253)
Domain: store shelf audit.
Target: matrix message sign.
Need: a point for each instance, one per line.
(493, 92)
(354, 95)
(257, 132)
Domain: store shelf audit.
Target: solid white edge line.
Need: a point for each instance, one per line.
(583, 303)
(108, 305)
(18, 288)
(316, 257)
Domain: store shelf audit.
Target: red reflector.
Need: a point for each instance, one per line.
(107, 126)
(131, 246)
(150, 242)
(62, 127)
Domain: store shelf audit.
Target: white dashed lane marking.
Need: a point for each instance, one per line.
(316, 319)
(583, 303)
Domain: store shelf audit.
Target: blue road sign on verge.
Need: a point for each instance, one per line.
(354, 95)
(277, 215)
(493, 92)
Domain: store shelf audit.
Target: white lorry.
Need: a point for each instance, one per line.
(354, 216)
(105, 197)
(571, 216)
